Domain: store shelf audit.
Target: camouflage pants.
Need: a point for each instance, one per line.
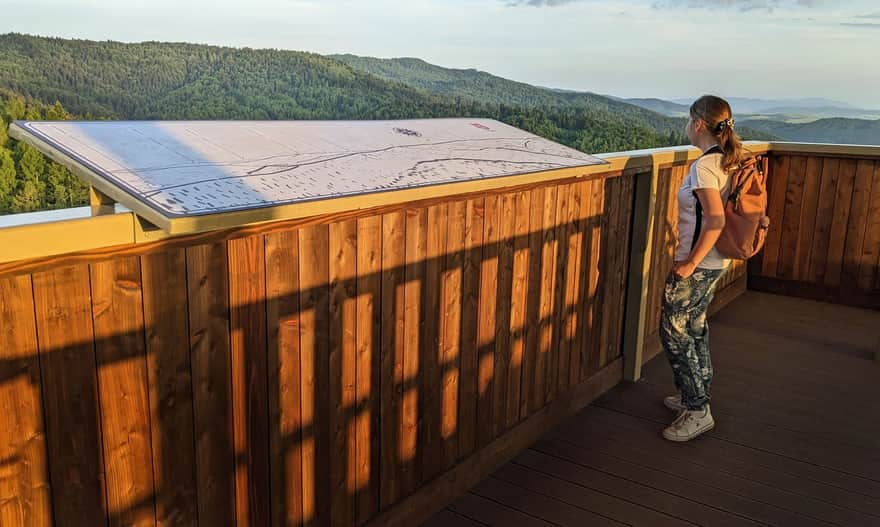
(684, 333)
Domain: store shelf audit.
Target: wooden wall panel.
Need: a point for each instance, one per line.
(343, 370)
(528, 390)
(451, 308)
(318, 375)
(506, 223)
(430, 442)
(120, 352)
(314, 273)
(208, 299)
(250, 407)
(469, 393)
(823, 243)
(285, 419)
(416, 241)
(368, 379)
(518, 306)
(63, 310)
(24, 478)
(393, 302)
(170, 386)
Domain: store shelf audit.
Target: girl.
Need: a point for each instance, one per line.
(690, 286)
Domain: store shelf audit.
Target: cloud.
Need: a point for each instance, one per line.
(863, 25)
(539, 3)
(871, 15)
(741, 5)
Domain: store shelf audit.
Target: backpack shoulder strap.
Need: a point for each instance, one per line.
(699, 214)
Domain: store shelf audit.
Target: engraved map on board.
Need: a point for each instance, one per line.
(183, 168)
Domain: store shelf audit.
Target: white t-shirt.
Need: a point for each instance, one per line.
(705, 172)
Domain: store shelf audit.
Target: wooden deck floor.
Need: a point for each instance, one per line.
(796, 399)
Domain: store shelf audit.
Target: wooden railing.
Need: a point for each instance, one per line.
(360, 367)
(825, 203)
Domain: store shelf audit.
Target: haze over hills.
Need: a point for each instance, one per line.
(834, 130)
(813, 120)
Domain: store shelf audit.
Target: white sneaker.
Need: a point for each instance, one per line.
(673, 402)
(689, 424)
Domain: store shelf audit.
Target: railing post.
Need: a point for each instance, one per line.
(101, 203)
(645, 198)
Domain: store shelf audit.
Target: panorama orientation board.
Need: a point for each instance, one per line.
(181, 169)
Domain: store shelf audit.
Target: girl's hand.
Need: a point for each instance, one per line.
(684, 269)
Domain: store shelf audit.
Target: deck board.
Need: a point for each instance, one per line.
(794, 444)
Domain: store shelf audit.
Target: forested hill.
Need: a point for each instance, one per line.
(489, 88)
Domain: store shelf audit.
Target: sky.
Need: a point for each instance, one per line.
(627, 48)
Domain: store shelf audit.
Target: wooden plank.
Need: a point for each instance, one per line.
(610, 282)
(470, 312)
(430, 398)
(585, 498)
(533, 304)
(590, 361)
(438, 492)
(808, 213)
(250, 406)
(870, 260)
(573, 237)
(486, 323)
(416, 241)
(773, 505)
(518, 303)
(622, 265)
(539, 504)
(507, 227)
(791, 220)
(120, 352)
(824, 216)
(447, 518)
(558, 361)
(368, 381)
(493, 513)
(740, 460)
(842, 206)
(285, 401)
(564, 465)
(856, 224)
(25, 494)
(63, 314)
(579, 359)
(545, 312)
(314, 274)
(393, 302)
(170, 386)
(777, 186)
(343, 370)
(208, 297)
(450, 359)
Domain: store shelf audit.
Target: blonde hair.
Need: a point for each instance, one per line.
(716, 113)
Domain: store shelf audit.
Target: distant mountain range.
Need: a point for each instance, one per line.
(814, 120)
(833, 130)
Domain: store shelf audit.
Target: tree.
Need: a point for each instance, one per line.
(7, 179)
(30, 190)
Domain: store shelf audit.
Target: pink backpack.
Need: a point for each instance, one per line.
(745, 213)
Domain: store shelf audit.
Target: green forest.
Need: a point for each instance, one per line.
(28, 180)
(45, 78)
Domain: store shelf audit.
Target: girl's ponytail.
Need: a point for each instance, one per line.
(717, 115)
